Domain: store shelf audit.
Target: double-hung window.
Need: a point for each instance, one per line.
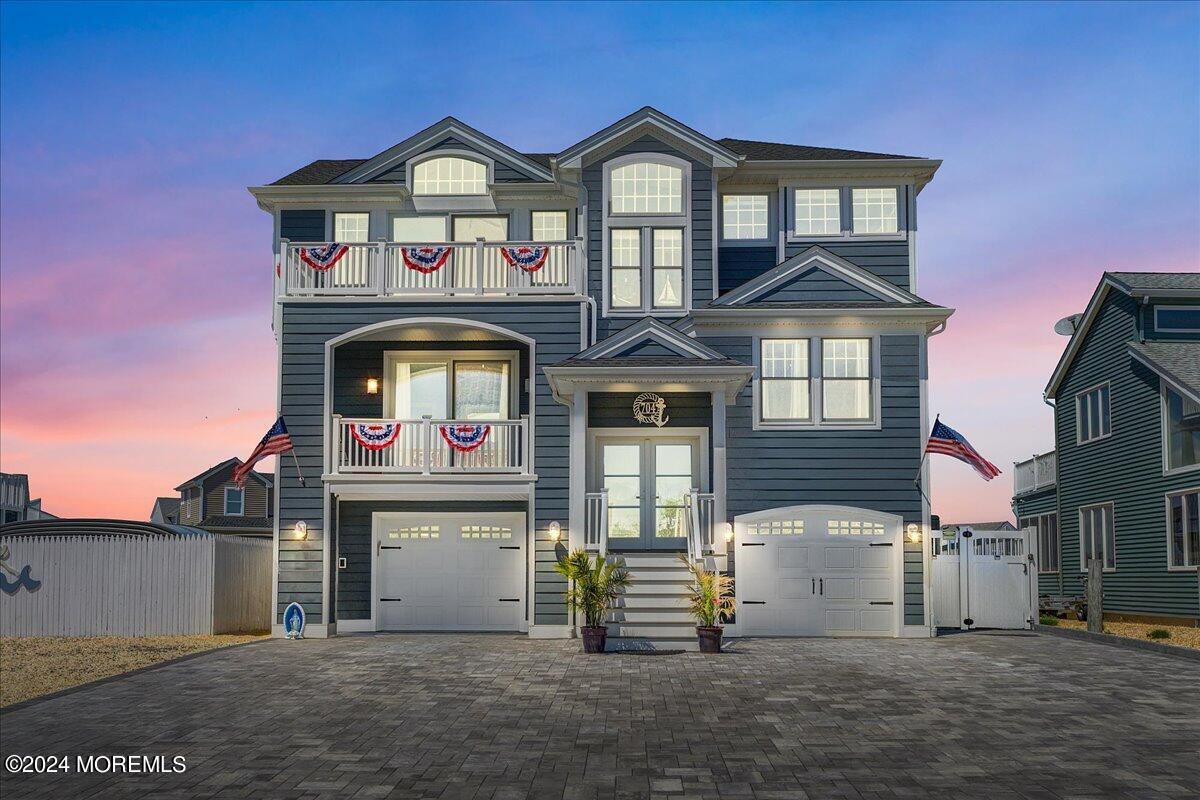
(826, 381)
(845, 211)
(351, 228)
(235, 501)
(1181, 430)
(1046, 526)
(1183, 529)
(744, 217)
(1097, 537)
(1092, 414)
(875, 211)
(549, 226)
(648, 225)
(817, 212)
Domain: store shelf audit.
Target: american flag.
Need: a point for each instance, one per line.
(947, 441)
(275, 442)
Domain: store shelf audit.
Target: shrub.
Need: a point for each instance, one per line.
(1159, 633)
(1048, 619)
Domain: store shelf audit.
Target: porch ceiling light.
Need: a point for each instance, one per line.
(372, 385)
(555, 531)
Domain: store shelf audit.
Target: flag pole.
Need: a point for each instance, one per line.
(299, 474)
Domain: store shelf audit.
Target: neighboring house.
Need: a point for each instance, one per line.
(15, 505)
(165, 511)
(1123, 482)
(213, 501)
(1003, 525)
(643, 344)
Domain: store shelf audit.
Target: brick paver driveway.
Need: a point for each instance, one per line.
(981, 715)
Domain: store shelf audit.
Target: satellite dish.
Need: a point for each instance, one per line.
(1067, 325)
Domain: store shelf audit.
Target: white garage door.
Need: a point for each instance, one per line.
(818, 571)
(441, 572)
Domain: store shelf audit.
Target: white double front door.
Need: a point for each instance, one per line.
(648, 478)
(818, 571)
(453, 571)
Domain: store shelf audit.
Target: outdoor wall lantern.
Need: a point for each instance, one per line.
(372, 385)
(914, 532)
(301, 530)
(555, 531)
(727, 531)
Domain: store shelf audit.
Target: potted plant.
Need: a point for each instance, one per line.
(595, 585)
(711, 602)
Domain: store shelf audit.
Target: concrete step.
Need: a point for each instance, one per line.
(671, 601)
(653, 630)
(676, 589)
(642, 643)
(636, 560)
(652, 615)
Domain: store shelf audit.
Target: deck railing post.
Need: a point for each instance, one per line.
(284, 266)
(381, 267)
(426, 444)
(335, 460)
(526, 446)
(479, 266)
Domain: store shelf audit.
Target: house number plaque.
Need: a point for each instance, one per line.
(650, 408)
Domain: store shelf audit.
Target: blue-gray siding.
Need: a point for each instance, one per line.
(816, 285)
(736, 265)
(888, 259)
(307, 225)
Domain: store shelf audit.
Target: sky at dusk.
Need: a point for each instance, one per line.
(135, 269)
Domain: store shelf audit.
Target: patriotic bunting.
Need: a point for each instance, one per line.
(529, 258)
(464, 438)
(375, 435)
(323, 258)
(425, 259)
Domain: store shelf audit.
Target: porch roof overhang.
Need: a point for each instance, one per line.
(627, 375)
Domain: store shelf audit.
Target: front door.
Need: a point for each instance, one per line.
(648, 479)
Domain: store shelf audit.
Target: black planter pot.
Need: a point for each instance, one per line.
(710, 638)
(594, 638)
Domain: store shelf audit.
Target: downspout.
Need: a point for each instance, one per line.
(1140, 322)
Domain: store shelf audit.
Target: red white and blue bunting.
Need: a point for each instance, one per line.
(323, 258)
(425, 259)
(375, 435)
(464, 438)
(529, 258)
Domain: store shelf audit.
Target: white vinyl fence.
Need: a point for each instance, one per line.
(118, 585)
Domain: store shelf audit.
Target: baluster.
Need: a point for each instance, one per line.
(427, 444)
(478, 276)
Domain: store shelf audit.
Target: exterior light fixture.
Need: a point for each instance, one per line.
(555, 531)
(727, 531)
(372, 385)
(914, 532)
(301, 529)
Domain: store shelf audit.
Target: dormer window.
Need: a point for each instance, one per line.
(449, 175)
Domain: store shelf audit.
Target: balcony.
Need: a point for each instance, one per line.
(1035, 474)
(429, 447)
(391, 270)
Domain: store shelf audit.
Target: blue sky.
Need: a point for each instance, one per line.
(136, 264)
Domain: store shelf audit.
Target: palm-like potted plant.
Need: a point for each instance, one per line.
(595, 584)
(710, 601)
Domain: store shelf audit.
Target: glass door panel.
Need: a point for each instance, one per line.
(648, 480)
(466, 271)
(673, 479)
(622, 476)
(481, 389)
(420, 390)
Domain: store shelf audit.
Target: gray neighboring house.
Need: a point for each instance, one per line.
(15, 503)
(214, 502)
(1003, 525)
(1122, 483)
(165, 511)
(649, 343)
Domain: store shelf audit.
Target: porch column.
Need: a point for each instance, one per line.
(577, 508)
(718, 455)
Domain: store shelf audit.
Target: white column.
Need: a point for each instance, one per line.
(578, 467)
(718, 455)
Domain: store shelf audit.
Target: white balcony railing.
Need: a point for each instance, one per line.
(700, 526)
(388, 269)
(423, 446)
(1034, 474)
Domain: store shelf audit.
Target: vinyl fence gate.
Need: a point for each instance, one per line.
(984, 579)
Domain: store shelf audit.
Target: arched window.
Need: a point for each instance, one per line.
(646, 187)
(449, 175)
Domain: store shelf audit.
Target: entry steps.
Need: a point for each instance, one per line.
(652, 612)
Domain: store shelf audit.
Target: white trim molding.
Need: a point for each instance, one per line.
(816, 257)
(650, 330)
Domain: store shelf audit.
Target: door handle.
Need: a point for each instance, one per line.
(814, 580)
(822, 587)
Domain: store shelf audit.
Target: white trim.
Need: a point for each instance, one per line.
(573, 156)
(1164, 430)
(846, 211)
(1159, 329)
(1085, 323)
(566, 381)
(650, 329)
(719, 214)
(225, 501)
(1079, 440)
(826, 262)
(815, 365)
(1167, 505)
(489, 166)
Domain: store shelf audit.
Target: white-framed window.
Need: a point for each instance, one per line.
(625, 276)
(667, 267)
(419, 230)
(463, 385)
(646, 187)
(817, 212)
(549, 226)
(1177, 319)
(1097, 536)
(744, 216)
(449, 175)
(1093, 415)
(351, 227)
(1183, 529)
(1046, 526)
(875, 210)
(817, 381)
(235, 501)
(1181, 431)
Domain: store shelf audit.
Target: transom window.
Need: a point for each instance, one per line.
(1092, 414)
(351, 228)
(549, 226)
(646, 187)
(842, 391)
(449, 175)
(1182, 440)
(744, 216)
(1047, 540)
(817, 212)
(1183, 529)
(235, 501)
(875, 210)
(468, 386)
(1097, 537)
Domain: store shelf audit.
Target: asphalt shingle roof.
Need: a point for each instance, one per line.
(1166, 281)
(321, 171)
(777, 151)
(850, 304)
(650, 361)
(219, 521)
(1177, 360)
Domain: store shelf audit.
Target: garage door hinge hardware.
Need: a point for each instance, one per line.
(510, 547)
(754, 544)
(510, 599)
(754, 602)
(389, 599)
(881, 544)
(881, 602)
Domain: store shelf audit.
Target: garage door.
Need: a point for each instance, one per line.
(818, 571)
(449, 571)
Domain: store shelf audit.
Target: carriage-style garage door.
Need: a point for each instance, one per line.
(449, 571)
(818, 571)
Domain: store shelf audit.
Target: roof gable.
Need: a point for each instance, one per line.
(228, 465)
(649, 338)
(435, 135)
(815, 275)
(647, 120)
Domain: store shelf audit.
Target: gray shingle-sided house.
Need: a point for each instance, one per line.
(213, 501)
(1123, 481)
(15, 502)
(647, 344)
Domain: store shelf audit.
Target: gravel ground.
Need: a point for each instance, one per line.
(1180, 636)
(34, 666)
